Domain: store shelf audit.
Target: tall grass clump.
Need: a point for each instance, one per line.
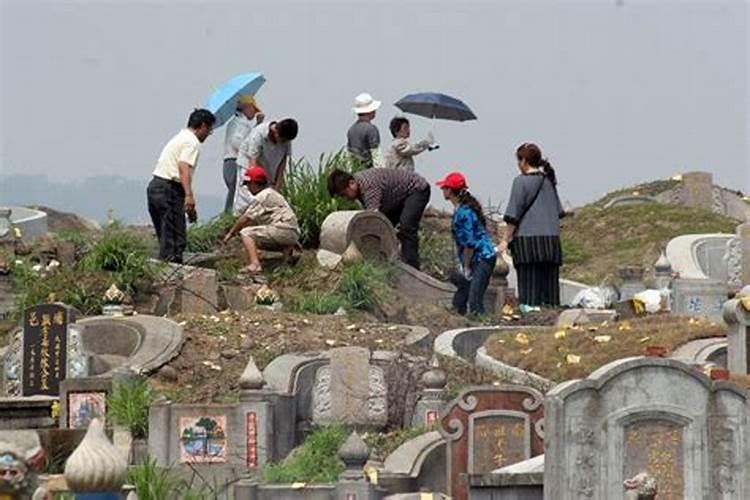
(205, 236)
(316, 461)
(153, 482)
(360, 283)
(123, 254)
(129, 405)
(306, 189)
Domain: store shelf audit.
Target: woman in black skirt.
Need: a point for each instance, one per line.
(533, 230)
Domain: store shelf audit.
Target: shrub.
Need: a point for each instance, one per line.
(204, 237)
(317, 303)
(129, 406)
(306, 189)
(123, 254)
(152, 482)
(359, 284)
(76, 287)
(316, 461)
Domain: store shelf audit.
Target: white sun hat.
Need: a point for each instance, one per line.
(364, 103)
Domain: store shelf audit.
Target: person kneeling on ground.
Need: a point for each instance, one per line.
(475, 250)
(269, 223)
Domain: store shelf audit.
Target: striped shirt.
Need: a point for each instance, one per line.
(386, 189)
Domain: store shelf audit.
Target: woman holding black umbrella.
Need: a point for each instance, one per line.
(533, 230)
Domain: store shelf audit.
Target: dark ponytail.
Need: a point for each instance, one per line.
(533, 155)
(466, 198)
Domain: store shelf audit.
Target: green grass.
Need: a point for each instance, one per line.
(315, 461)
(384, 443)
(153, 482)
(205, 237)
(598, 241)
(129, 404)
(306, 189)
(357, 289)
(316, 303)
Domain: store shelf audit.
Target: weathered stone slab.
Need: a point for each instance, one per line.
(652, 415)
(350, 390)
(489, 427)
(698, 190)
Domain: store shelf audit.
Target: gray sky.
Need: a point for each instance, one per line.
(614, 95)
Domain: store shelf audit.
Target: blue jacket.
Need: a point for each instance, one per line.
(469, 233)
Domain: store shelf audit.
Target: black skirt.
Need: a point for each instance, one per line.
(537, 260)
(536, 249)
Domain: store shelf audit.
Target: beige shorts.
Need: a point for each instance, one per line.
(271, 237)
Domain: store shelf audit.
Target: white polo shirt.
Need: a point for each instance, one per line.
(184, 147)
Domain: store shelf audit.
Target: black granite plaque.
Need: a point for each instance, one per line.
(44, 349)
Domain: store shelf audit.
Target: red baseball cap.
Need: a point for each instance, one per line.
(256, 174)
(454, 180)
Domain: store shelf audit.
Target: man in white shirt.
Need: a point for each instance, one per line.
(239, 127)
(170, 193)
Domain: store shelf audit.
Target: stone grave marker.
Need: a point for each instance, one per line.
(743, 235)
(350, 390)
(698, 190)
(44, 349)
(736, 314)
(489, 427)
(652, 415)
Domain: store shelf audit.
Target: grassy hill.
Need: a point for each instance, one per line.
(598, 241)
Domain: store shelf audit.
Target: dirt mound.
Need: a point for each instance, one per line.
(58, 221)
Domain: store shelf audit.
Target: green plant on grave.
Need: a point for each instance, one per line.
(129, 404)
(206, 236)
(360, 283)
(315, 302)
(315, 461)
(306, 189)
(153, 482)
(125, 256)
(74, 286)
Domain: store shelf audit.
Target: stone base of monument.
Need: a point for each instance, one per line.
(699, 297)
(31, 412)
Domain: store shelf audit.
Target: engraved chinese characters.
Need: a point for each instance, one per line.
(648, 415)
(489, 427)
(45, 340)
(655, 447)
(498, 441)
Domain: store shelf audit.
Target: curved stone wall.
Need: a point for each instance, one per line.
(32, 223)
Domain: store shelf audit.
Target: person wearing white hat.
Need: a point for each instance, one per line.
(363, 138)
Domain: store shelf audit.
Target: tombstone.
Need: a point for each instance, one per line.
(699, 297)
(6, 227)
(737, 317)
(743, 235)
(632, 281)
(652, 415)
(44, 361)
(83, 399)
(364, 232)
(698, 190)
(350, 390)
(489, 427)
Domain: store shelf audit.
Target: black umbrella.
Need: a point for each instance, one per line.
(436, 105)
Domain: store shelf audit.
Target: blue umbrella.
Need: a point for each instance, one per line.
(436, 105)
(223, 101)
